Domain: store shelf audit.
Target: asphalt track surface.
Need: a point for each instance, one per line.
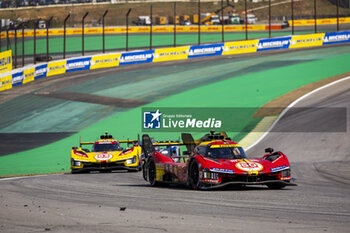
(124, 202)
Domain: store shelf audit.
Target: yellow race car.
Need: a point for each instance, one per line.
(106, 155)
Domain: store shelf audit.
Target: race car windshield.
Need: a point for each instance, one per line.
(227, 153)
(105, 147)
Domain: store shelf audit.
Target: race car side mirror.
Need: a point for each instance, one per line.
(186, 152)
(269, 150)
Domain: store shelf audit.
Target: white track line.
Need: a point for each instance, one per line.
(24, 177)
(292, 104)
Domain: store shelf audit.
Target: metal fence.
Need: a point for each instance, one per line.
(44, 47)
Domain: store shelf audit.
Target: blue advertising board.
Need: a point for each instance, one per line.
(275, 43)
(17, 79)
(78, 64)
(40, 71)
(336, 37)
(136, 57)
(205, 50)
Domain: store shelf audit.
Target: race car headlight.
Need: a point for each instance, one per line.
(131, 160)
(210, 175)
(76, 163)
(286, 173)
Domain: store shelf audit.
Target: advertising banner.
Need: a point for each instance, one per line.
(170, 54)
(104, 61)
(336, 37)
(275, 43)
(162, 29)
(74, 31)
(255, 27)
(309, 22)
(205, 50)
(6, 82)
(5, 61)
(40, 71)
(238, 47)
(306, 40)
(28, 75)
(17, 79)
(136, 57)
(58, 67)
(232, 28)
(78, 64)
(211, 29)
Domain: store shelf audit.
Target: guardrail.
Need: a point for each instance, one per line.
(33, 72)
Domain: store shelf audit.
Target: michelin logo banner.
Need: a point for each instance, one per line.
(5, 61)
(205, 50)
(78, 64)
(305, 41)
(136, 57)
(17, 79)
(336, 37)
(276, 43)
(40, 71)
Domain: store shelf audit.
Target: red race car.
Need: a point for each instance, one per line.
(210, 162)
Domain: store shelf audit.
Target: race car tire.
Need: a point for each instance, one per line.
(139, 167)
(194, 180)
(152, 173)
(144, 171)
(276, 186)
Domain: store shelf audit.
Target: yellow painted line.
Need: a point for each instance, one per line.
(258, 131)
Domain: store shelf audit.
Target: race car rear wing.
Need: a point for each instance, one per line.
(148, 145)
(86, 143)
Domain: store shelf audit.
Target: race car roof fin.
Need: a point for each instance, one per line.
(147, 145)
(188, 140)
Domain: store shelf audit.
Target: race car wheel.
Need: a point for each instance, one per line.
(139, 167)
(144, 171)
(276, 186)
(194, 176)
(152, 173)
